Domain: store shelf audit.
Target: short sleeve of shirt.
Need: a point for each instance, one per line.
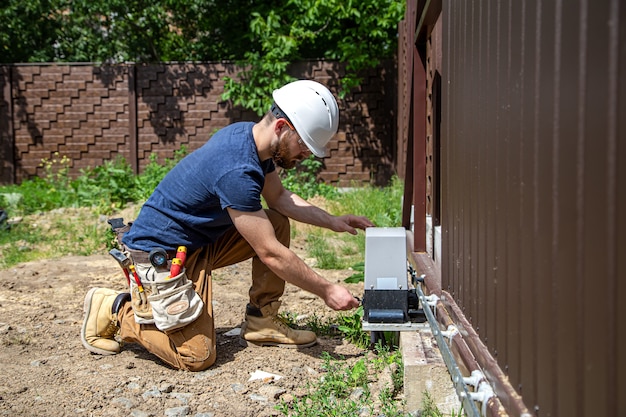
(240, 190)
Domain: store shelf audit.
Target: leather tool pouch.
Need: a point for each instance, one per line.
(168, 302)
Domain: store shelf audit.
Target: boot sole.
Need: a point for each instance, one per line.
(246, 343)
(83, 339)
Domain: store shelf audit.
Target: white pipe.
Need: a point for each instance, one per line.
(482, 390)
(483, 395)
(432, 300)
(475, 378)
(450, 333)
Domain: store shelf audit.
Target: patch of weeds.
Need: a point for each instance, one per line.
(320, 326)
(154, 172)
(314, 323)
(62, 232)
(382, 205)
(303, 181)
(388, 406)
(17, 245)
(389, 356)
(344, 390)
(430, 409)
(320, 248)
(289, 318)
(349, 324)
(358, 275)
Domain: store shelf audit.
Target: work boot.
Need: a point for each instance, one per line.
(264, 328)
(100, 325)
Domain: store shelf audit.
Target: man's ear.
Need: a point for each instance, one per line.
(279, 125)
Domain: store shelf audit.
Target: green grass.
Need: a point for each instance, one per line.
(345, 389)
(430, 409)
(382, 205)
(64, 231)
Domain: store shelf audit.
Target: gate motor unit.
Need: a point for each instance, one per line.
(388, 302)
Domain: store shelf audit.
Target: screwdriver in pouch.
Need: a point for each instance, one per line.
(178, 261)
(177, 266)
(181, 253)
(137, 280)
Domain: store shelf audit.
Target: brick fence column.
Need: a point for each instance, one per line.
(7, 140)
(132, 118)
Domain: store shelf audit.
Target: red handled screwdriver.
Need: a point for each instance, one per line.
(177, 266)
(181, 254)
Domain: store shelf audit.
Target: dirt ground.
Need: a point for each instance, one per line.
(45, 370)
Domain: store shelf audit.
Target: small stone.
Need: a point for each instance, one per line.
(183, 397)
(238, 388)
(166, 388)
(356, 394)
(257, 397)
(287, 398)
(178, 411)
(133, 385)
(151, 393)
(123, 401)
(271, 391)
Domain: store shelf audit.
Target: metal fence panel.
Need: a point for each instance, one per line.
(534, 193)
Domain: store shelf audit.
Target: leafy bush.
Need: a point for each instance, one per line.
(303, 180)
(108, 187)
(154, 172)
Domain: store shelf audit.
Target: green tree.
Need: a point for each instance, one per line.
(264, 37)
(117, 31)
(359, 33)
(28, 30)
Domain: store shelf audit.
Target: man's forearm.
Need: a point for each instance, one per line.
(296, 208)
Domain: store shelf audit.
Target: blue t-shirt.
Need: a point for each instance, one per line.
(189, 206)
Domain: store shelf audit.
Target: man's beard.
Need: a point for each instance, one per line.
(282, 156)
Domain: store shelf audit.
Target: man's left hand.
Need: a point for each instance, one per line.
(349, 223)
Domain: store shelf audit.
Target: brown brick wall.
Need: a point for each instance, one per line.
(90, 114)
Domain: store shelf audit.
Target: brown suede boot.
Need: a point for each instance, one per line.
(263, 328)
(100, 325)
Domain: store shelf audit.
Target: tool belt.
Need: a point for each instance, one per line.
(167, 302)
(158, 297)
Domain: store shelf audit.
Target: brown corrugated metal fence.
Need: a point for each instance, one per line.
(534, 193)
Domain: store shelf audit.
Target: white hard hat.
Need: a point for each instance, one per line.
(313, 111)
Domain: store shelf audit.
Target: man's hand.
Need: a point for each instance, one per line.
(339, 298)
(349, 223)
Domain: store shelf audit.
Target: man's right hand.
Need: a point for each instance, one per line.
(339, 298)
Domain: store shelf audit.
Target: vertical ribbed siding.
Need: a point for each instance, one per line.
(534, 193)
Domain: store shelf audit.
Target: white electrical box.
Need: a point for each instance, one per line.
(385, 258)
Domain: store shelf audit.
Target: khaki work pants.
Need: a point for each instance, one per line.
(193, 346)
